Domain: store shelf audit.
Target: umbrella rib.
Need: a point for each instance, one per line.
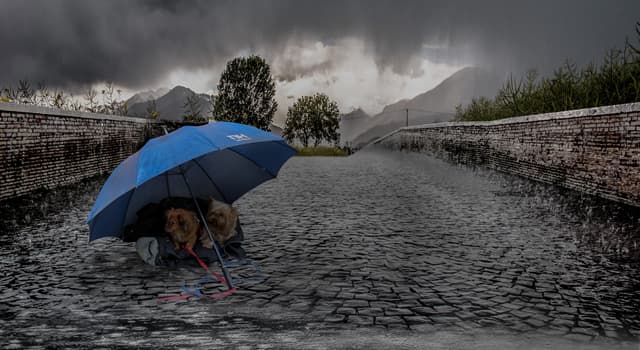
(252, 161)
(211, 180)
(283, 144)
(126, 209)
(166, 178)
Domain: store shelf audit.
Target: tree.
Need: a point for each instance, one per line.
(59, 100)
(246, 93)
(152, 111)
(26, 94)
(111, 103)
(191, 108)
(92, 104)
(211, 104)
(42, 95)
(313, 117)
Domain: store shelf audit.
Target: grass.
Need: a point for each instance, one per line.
(321, 151)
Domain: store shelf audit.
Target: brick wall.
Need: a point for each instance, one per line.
(594, 150)
(41, 148)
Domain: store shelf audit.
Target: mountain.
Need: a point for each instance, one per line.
(435, 105)
(170, 106)
(146, 96)
(351, 124)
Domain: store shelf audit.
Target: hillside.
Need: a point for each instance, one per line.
(352, 124)
(145, 96)
(435, 105)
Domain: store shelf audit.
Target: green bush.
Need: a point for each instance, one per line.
(615, 81)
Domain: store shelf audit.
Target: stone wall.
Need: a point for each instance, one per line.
(41, 148)
(594, 150)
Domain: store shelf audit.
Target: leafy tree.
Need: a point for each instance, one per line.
(191, 108)
(246, 93)
(296, 125)
(313, 117)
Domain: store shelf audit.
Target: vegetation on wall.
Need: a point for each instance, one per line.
(107, 102)
(615, 81)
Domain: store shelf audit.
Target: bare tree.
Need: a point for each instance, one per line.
(26, 94)
(191, 108)
(59, 100)
(91, 97)
(42, 95)
(152, 111)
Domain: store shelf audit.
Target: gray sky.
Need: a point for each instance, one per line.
(363, 53)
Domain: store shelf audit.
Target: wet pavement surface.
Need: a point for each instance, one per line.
(377, 250)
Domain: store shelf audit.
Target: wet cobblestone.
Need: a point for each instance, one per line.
(396, 242)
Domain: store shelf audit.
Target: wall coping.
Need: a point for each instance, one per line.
(31, 109)
(574, 113)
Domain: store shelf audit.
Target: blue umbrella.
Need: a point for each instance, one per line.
(222, 160)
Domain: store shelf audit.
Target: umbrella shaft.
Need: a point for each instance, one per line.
(206, 227)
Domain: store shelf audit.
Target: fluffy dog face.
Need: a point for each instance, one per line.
(221, 218)
(182, 226)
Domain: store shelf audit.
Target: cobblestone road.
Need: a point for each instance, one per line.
(376, 250)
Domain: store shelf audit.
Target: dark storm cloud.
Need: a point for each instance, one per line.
(135, 43)
(286, 74)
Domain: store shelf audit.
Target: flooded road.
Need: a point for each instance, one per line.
(378, 250)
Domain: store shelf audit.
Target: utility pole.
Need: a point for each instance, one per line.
(407, 123)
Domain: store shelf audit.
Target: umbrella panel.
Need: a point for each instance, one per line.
(224, 175)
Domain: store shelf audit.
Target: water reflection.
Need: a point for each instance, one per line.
(608, 228)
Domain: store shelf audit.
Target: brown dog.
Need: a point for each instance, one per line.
(182, 226)
(221, 219)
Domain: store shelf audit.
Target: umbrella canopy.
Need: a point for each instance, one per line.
(221, 160)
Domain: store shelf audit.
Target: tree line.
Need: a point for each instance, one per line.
(615, 81)
(246, 94)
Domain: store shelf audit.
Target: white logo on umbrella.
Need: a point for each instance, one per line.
(239, 137)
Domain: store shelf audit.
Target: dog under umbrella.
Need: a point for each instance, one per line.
(221, 160)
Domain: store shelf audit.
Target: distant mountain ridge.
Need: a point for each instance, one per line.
(145, 96)
(435, 105)
(170, 106)
(352, 124)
